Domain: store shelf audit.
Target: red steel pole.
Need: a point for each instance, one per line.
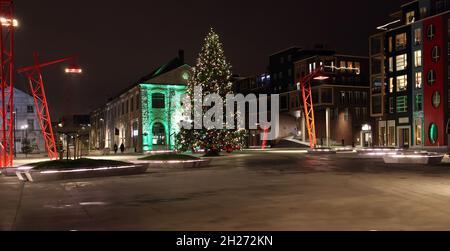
(7, 83)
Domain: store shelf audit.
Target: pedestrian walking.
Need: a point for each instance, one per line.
(116, 148)
(122, 148)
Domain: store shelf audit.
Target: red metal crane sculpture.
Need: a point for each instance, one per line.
(34, 75)
(8, 24)
(308, 104)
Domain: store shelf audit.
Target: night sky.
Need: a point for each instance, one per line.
(120, 41)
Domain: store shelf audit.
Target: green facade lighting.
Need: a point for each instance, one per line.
(169, 116)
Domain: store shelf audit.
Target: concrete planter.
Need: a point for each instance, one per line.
(414, 158)
(175, 163)
(79, 173)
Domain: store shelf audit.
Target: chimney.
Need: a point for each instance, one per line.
(181, 56)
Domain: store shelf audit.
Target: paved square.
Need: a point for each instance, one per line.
(275, 190)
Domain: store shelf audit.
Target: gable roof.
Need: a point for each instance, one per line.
(170, 66)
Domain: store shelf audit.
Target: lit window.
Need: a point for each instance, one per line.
(418, 131)
(419, 80)
(342, 65)
(402, 62)
(358, 67)
(390, 44)
(400, 41)
(402, 83)
(431, 33)
(402, 104)
(431, 77)
(391, 85)
(391, 64)
(350, 65)
(410, 17)
(418, 58)
(436, 53)
(418, 36)
(436, 99)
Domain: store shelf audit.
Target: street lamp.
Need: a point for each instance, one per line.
(74, 69)
(7, 22)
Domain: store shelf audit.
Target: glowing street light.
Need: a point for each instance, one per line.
(7, 22)
(74, 69)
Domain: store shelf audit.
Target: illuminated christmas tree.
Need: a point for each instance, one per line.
(213, 74)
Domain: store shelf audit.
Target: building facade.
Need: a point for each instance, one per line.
(341, 102)
(410, 76)
(26, 123)
(144, 117)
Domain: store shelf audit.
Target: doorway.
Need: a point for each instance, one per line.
(159, 137)
(404, 137)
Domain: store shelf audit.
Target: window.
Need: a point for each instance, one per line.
(431, 77)
(30, 124)
(391, 105)
(357, 113)
(433, 133)
(401, 62)
(436, 53)
(342, 65)
(391, 85)
(137, 102)
(418, 58)
(390, 44)
(327, 95)
(376, 104)
(350, 65)
(343, 98)
(423, 12)
(418, 132)
(391, 64)
(402, 83)
(289, 58)
(418, 106)
(417, 36)
(346, 114)
(431, 33)
(400, 41)
(410, 17)
(282, 60)
(436, 99)
(402, 104)
(419, 81)
(377, 85)
(158, 101)
(358, 67)
(30, 109)
(364, 97)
